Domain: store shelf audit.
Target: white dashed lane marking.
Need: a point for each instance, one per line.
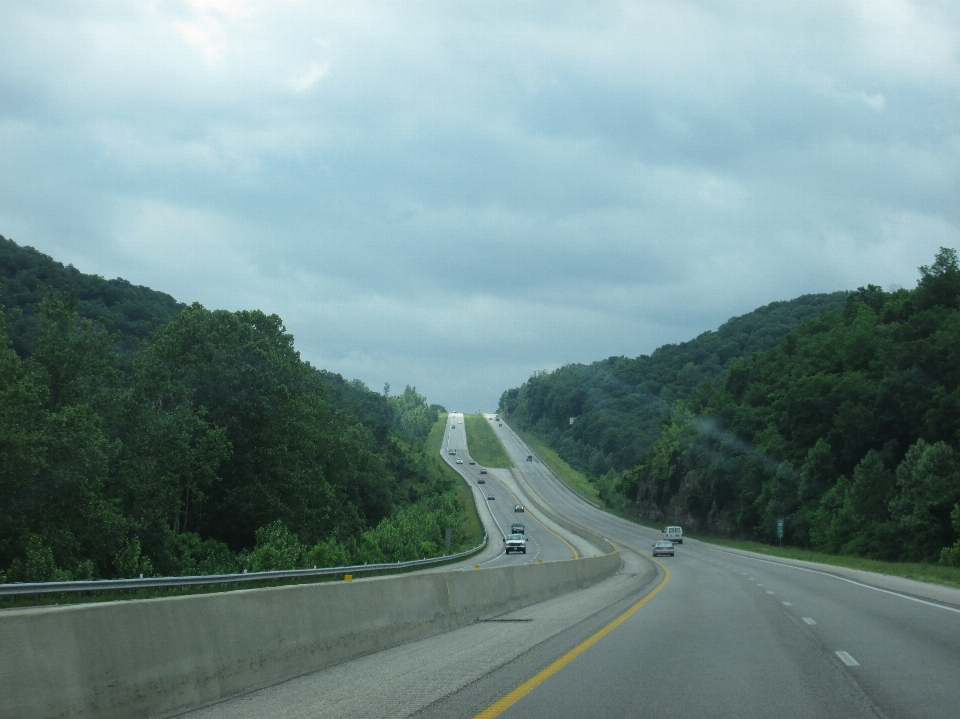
(769, 592)
(808, 620)
(787, 604)
(847, 659)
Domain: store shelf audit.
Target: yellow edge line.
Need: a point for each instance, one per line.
(533, 682)
(543, 499)
(576, 554)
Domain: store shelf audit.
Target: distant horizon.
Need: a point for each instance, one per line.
(431, 400)
(454, 196)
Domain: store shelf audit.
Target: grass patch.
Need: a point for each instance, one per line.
(931, 573)
(471, 525)
(483, 444)
(574, 479)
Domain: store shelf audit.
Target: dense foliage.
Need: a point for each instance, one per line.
(131, 311)
(605, 415)
(848, 429)
(211, 446)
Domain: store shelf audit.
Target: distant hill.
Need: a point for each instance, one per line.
(619, 403)
(133, 310)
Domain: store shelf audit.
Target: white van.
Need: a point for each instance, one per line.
(674, 534)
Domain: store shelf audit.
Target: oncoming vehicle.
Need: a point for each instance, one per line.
(519, 508)
(515, 543)
(674, 534)
(663, 548)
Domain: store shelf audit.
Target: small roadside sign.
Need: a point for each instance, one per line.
(780, 530)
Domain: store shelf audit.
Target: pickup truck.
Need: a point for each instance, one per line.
(515, 543)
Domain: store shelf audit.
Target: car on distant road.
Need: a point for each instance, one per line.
(517, 528)
(515, 543)
(472, 462)
(481, 481)
(459, 461)
(519, 508)
(490, 497)
(529, 457)
(674, 534)
(663, 548)
(452, 451)
(483, 471)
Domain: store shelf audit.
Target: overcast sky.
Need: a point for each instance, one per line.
(455, 194)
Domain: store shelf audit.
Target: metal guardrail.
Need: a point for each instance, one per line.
(37, 589)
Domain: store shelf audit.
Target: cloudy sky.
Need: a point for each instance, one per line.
(455, 194)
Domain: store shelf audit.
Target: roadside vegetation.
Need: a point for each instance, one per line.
(574, 479)
(483, 444)
(471, 527)
(200, 443)
(839, 414)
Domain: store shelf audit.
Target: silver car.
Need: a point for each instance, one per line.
(663, 548)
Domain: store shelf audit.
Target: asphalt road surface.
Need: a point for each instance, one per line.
(707, 633)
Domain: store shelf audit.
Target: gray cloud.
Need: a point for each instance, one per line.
(453, 195)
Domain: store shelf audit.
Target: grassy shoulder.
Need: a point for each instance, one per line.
(931, 573)
(574, 479)
(482, 442)
(471, 525)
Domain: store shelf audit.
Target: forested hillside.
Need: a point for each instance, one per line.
(198, 443)
(848, 429)
(132, 311)
(617, 405)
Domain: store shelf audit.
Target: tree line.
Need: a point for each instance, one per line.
(848, 428)
(207, 445)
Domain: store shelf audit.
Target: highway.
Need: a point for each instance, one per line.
(546, 541)
(707, 633)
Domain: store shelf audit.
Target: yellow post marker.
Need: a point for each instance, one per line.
(539, 561)
(348, 577)
(476, 566)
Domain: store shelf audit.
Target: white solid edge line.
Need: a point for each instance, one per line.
(847, 659)
(844, 579)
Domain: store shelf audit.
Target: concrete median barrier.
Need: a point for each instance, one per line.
(155, 657)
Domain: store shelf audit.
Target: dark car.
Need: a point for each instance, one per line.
(663, 548)
(491, 497)
(519, 508)
(517, 528)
